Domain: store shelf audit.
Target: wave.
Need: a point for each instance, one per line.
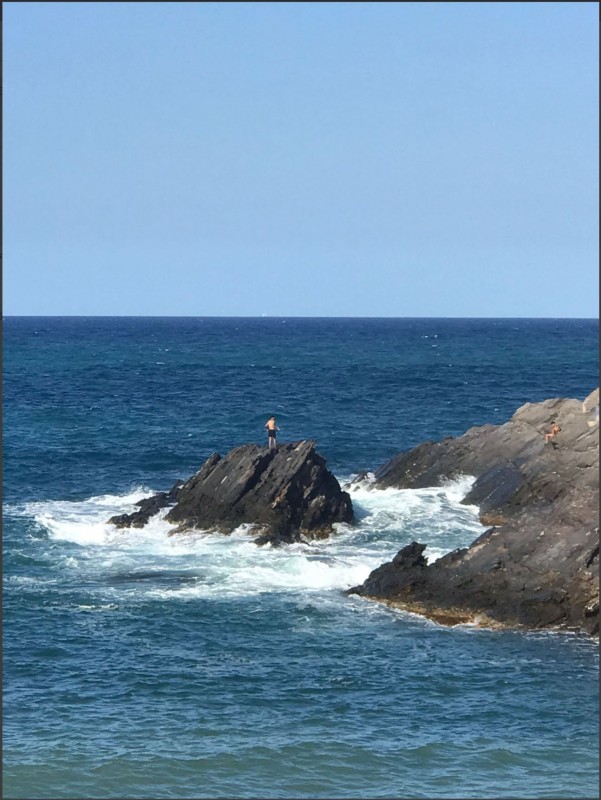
(125, 563)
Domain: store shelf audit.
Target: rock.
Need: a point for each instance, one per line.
(358, 479)
(405, 569)
(538, 566)
(148, 507)
(590, 407)
(286, 493)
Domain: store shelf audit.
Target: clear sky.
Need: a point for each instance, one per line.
(306, 159)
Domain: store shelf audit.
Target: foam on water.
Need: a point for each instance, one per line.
(82, 522)
(204, 564)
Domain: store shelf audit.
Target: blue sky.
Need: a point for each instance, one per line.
(307, 159)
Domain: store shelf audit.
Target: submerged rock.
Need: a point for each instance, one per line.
(538, 565)
(286, 493)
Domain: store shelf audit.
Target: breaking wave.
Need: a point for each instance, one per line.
(126, 562)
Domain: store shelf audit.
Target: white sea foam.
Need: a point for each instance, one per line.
(82, 522)
(128, 562)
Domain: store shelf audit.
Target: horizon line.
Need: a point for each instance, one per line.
(272, 316)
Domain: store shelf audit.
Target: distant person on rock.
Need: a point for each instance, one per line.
(552, 433)
(271, 432)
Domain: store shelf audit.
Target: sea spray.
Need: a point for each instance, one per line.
(206, 564)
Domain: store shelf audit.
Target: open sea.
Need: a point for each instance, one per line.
(138, 665)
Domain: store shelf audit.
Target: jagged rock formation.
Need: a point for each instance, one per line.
(287, 493)
(148, 507)
(538, 565)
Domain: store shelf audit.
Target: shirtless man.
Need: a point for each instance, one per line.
(271, 432)
(552, 433)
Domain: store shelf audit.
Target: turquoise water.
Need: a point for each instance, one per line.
(142, 665)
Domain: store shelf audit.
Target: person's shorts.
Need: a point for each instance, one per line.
(271, 434)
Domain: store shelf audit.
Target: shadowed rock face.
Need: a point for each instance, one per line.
(538, 565)
(287, 493)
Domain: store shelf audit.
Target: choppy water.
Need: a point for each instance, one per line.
(142, 665)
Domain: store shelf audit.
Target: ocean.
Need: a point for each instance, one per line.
(138, 665)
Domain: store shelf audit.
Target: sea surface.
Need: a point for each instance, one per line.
(140, 665)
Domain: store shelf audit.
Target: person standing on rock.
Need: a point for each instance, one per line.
(272, 428)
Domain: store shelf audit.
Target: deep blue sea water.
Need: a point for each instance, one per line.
(146, 666)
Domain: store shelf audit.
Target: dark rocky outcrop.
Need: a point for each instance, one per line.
(286, 493)
(148, 507)
(538, 565)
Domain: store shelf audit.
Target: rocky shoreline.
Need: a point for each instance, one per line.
(536, 565)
